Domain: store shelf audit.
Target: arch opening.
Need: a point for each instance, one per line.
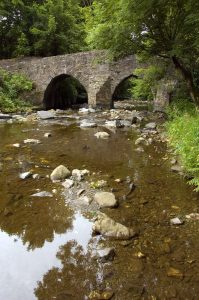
(123, 89)
(63, 92)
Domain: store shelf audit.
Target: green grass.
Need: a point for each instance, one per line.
(183, 134)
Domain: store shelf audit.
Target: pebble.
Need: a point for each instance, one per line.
(42, 194)
(17, 145)
(35, 176)
(176, 221)
(25, 175)
(172, 272)
(47, 134)
(68, 183)
(193, 216)
(106, 254)
(101, 135)
(32, 141)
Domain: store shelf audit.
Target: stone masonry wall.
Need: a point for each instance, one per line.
(94, 71)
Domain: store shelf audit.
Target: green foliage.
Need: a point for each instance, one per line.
(183, 133)
(146, 80)
(58, 28)
(149, 28)
(43, 28)
(12, 86)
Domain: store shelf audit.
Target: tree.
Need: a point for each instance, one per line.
(42, 27)
(58, 28)
(165, 28)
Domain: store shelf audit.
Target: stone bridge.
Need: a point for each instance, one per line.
(92, 69)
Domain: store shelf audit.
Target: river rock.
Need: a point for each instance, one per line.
(140, 141)
(176, 221)
(79, 174)
(105, 199)
(83, 110)
(87, 124)
(135, 120)
(35, 176)
(151, 126)
(45, 115)
(106, 254)
(25, 175)
(177, 168)
(193, 216)
(47, 134)
(85, 199)
(42, 194)
(60, 173)
(109, 228)
(31, 141)
(114, 123)
(68, 183)
(5, 116)
(101, 135)
(126, 123)
(17, 145)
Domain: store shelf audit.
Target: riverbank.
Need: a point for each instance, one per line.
(183, 137)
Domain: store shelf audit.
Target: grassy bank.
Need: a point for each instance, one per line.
(12, 89)
(183, 134)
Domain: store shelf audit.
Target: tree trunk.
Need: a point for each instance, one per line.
(187, 75)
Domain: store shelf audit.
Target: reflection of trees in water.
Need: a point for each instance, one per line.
(36, 220)
(76, 278)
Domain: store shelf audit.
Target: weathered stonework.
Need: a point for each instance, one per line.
(94, 71)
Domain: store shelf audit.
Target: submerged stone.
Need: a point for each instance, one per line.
(172, 272)
(176, 221)
(32, 141)
(109, 228)
(45, 115)
(106, 254)
(42, 194)
(101, 135)
(25, 175)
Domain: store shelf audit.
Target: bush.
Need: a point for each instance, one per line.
(183, 133)
(12, 86)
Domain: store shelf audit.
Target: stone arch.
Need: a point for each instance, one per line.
(64, 91)
(118, 84)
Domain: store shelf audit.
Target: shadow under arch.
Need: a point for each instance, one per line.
(64, 91)
(121, 91)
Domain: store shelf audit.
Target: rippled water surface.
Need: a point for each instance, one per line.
(47, 242)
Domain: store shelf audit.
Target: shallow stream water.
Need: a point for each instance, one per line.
(47, 243)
